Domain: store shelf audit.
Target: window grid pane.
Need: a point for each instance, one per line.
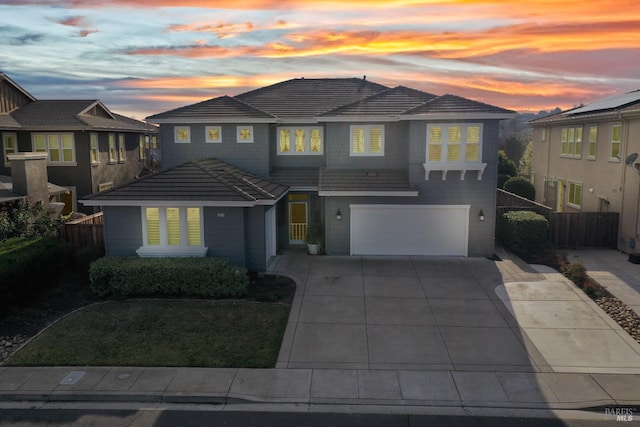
(122, 152)
(173, 226)
(375, 143)
(285, 140)
(153, 226)
(300, 138)
(316, 141)
(193, 227)
(358, 140)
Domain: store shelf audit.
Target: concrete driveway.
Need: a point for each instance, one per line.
(444, 313)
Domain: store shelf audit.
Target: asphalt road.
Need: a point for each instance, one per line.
(196, 418)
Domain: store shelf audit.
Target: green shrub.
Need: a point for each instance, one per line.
(28, 266)
(521, 186)
(25, 219)
(525, 233)
(122, 277)
(575, 272)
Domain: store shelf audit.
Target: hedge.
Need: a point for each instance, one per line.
(525, 233)
(122, 277)
(27, 266)
(521, 186)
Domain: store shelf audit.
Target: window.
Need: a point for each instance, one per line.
(112, 148)
(543, 134)
(213, 134)
(95, 151)
(299, 140)
(122, 149)
(245, 134)
(154, 142)
(59, 146)
(571, 142)
(593, 142)
(367, 140)
(616, 142)
(9, 145)
(143, 145)
(172, 231)
(454, 143)
(105, 186)
(575, 195)
(182, 134)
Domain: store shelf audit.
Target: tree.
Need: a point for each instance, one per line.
(521, 186)
(26, 219)
(524, 167)
(506, 168)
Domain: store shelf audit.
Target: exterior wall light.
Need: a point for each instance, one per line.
(339, 215)
(481, 215)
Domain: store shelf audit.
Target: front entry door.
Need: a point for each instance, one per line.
(297, 222)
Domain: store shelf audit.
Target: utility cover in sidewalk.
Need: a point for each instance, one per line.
(72, 378)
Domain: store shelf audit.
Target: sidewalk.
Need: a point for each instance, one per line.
(545, 314)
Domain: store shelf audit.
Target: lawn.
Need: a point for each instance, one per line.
(162, 332)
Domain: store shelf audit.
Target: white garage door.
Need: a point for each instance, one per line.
(409, 229)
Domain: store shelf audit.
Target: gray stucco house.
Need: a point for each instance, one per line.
(367, 169)
(89, 147)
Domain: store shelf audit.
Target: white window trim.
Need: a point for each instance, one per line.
(177, 129)
(463, 166)
(46, 135)
(619, 158)
(575, 183)
(589, 127)
(164, 249)
(367, 140)
(307, 141)
(206, 135)
(5, 136)
(244, 141)
(574, 154)
(93, 135)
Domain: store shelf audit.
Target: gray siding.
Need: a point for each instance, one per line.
(295, 160)
(223, 234)
(255, 238)
(337, 150)
(253, 157)
(122, 230)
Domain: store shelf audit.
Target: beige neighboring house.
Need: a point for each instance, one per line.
(587, 159)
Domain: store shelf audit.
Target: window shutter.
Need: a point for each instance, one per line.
(453, 146)
(316, 141)
(153, 226)
(435, 144)
(285, 140)
(300, 140)
(358, 140)
(193, 226)
(173, 226)
(375, 142)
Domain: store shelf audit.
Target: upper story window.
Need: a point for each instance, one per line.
(454, 143)
(9, 145)
(213, 134)
(59, 146)
(182, 134)
(122, 149)
(300, 140)
(543, 134)
(367, 140)
(571, 142)
(245, 134)
(94, 149)
(172, 231)
(143, 146)
(616, 142)
(592, 149)
(112, 148)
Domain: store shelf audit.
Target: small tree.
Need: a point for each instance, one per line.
(521, 186)
(26, 219)
(524, 167)
(506, 168)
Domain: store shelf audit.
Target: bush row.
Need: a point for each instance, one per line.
(525, 233)
(28, 266)
(122, 277)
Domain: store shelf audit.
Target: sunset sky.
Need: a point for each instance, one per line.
(142, 57)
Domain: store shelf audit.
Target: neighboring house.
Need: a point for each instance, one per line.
(580, 161)
(373, 170)
(89, 148)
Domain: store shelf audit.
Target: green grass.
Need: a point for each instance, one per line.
(204, 333)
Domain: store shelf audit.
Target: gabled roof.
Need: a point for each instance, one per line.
(74, 115)
(8, 122)
(12, 95)
(452, 104)
(208, 182)
(309, 97)
(626, 103)
(224, 107)
(389, 102)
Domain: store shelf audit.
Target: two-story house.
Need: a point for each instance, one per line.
(586, 160)
(373, 170)
(89, 148)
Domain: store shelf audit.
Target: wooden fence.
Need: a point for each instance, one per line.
(566, 229)
(85, 231)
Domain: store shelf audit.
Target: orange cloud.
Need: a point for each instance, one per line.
(74, 21)
(220, 30)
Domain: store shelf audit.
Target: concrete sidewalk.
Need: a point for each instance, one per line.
(384, 388)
